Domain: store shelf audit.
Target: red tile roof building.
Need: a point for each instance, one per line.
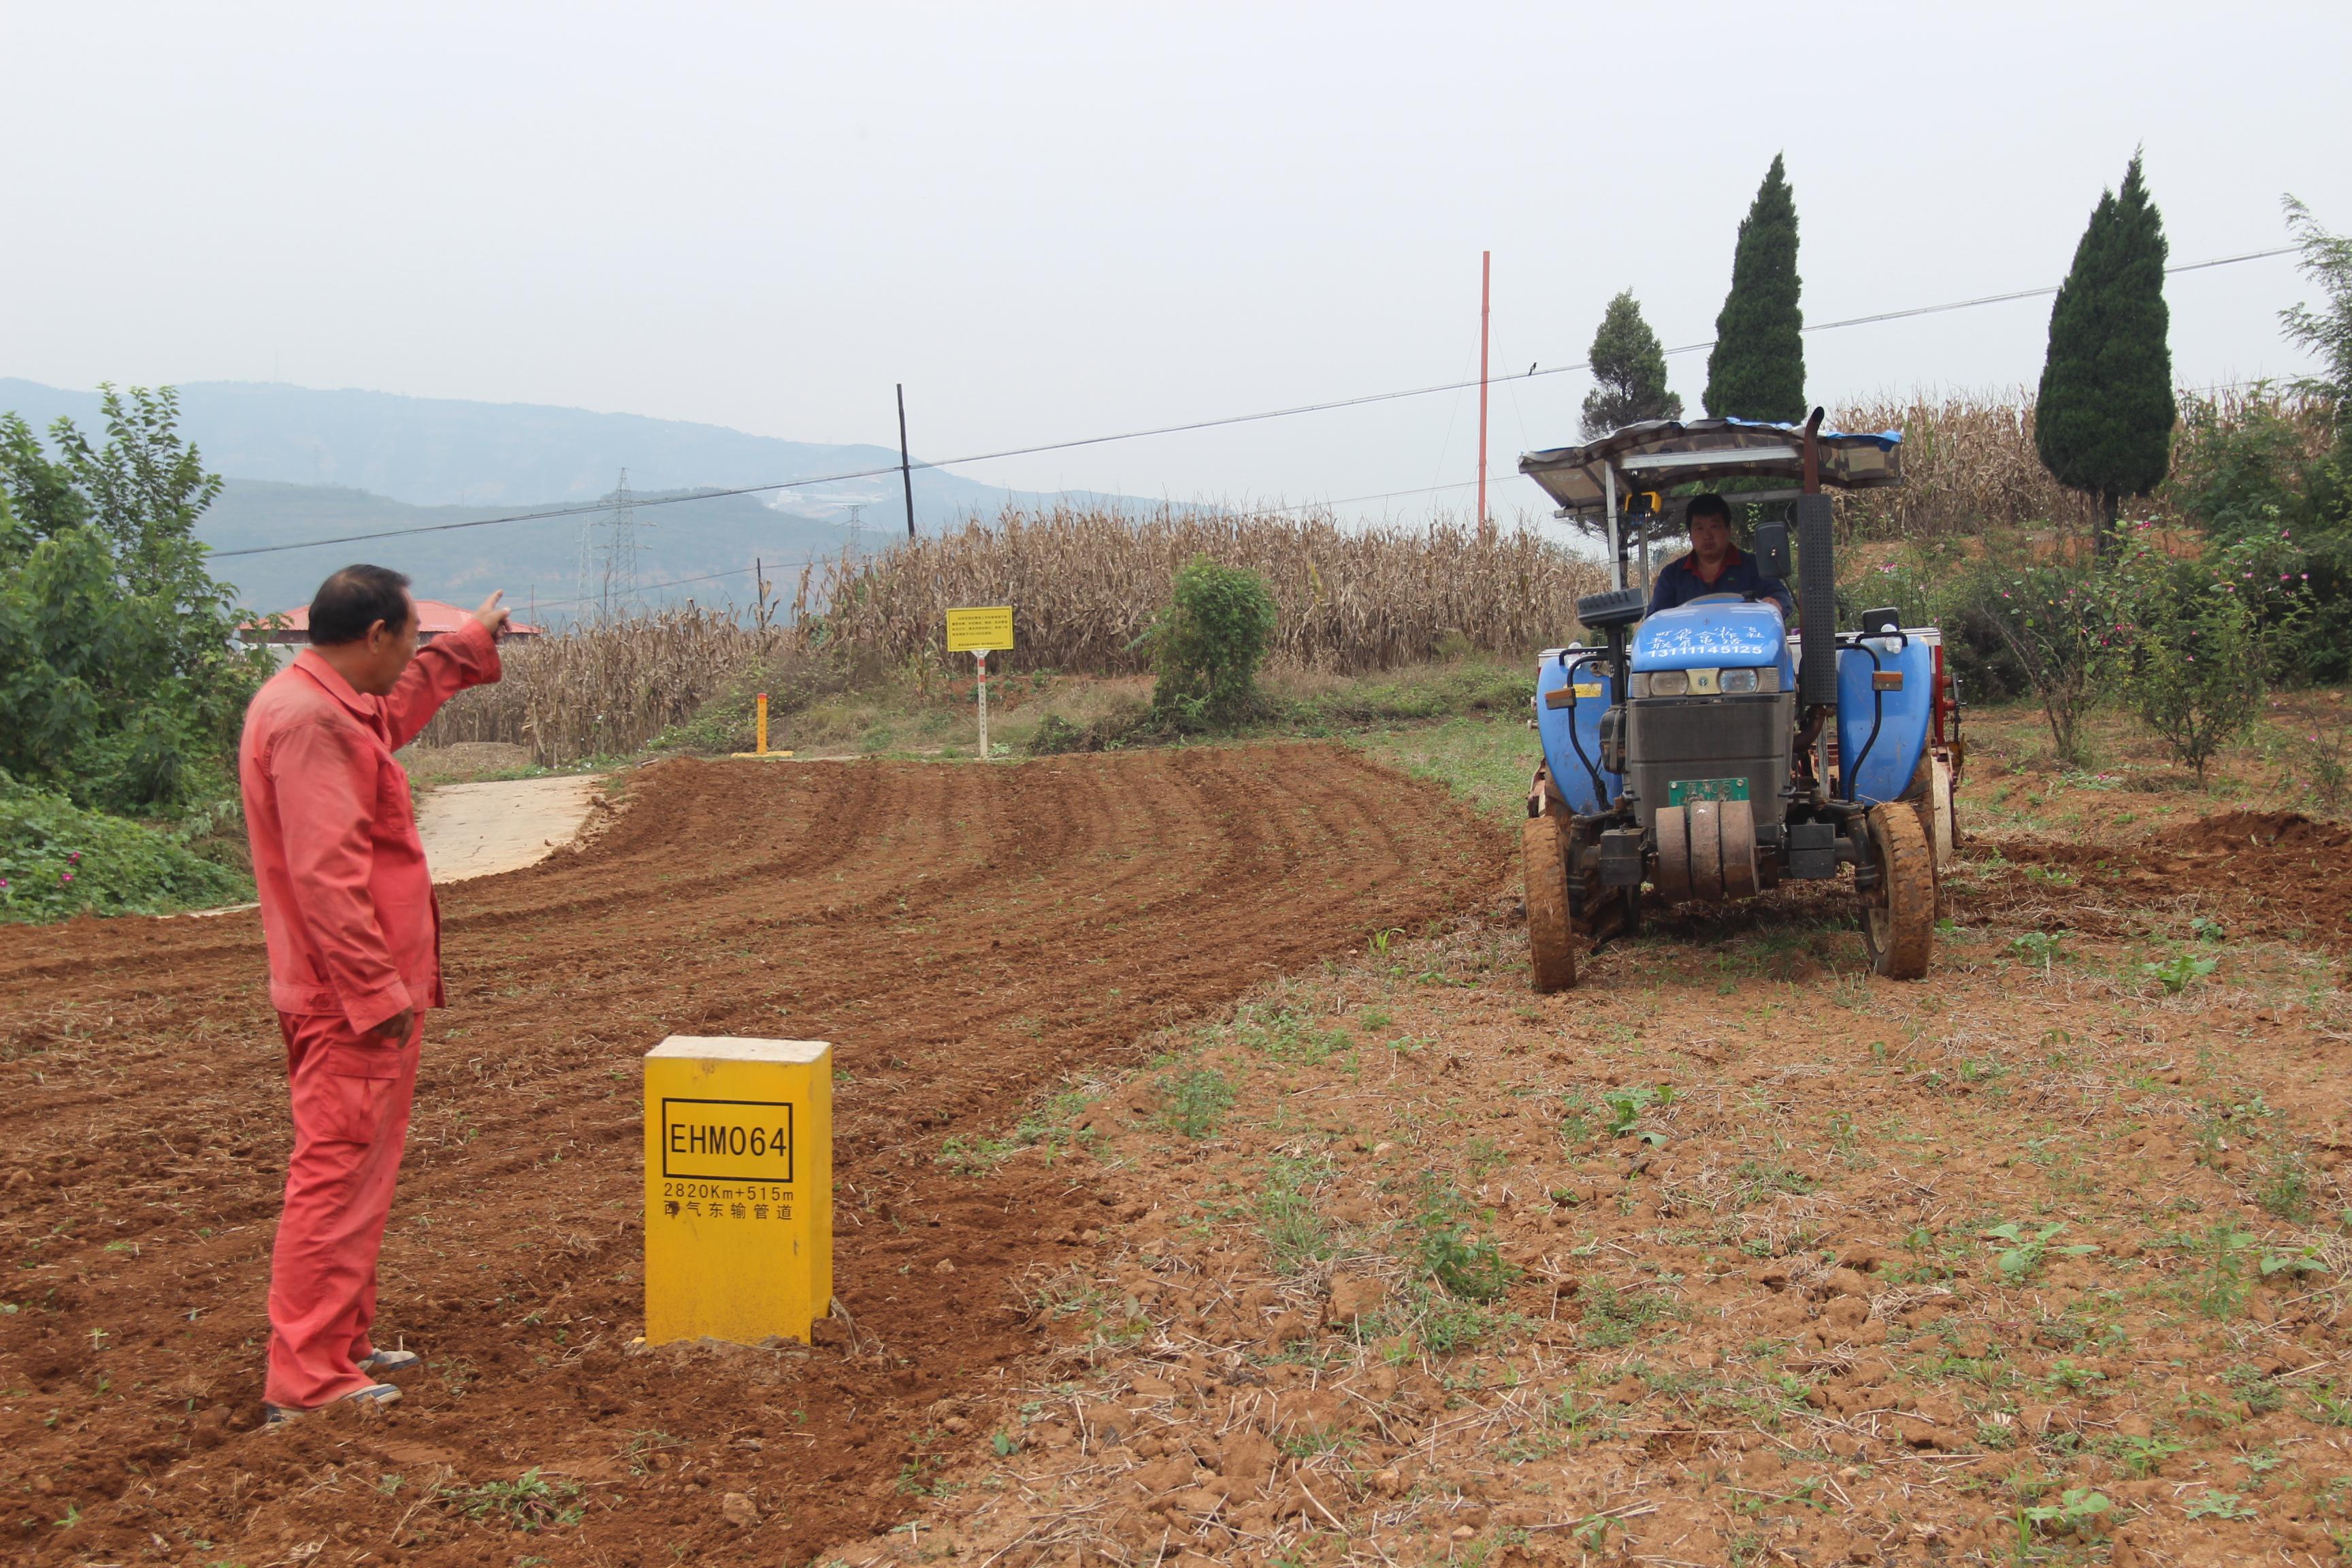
(433, 619)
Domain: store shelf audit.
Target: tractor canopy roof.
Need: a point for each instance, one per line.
(1673, 454)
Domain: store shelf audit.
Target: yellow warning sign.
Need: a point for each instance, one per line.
(739, 1188)
(971, 630)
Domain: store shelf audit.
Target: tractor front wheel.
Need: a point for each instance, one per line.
(1551, 934)
(1898, 915)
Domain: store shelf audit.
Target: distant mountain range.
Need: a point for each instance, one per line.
(307, 464)
(703, 550)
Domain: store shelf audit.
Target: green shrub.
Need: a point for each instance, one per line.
(121, 679)
(1207, 644)
(2190, 635)
(57, 860)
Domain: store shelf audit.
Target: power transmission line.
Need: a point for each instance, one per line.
(1331, 406)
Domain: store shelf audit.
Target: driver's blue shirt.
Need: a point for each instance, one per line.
(1680, 583)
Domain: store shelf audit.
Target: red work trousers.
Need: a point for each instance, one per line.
(351, 1098)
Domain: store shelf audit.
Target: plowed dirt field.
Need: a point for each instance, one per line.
(965, 936)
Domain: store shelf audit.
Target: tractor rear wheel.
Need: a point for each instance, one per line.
(1898, 916)
(1551, 934)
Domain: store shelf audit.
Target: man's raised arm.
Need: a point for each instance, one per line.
(444, 668)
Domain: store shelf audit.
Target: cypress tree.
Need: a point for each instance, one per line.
(1757, 369)
(1629, 371)
(2103, 420)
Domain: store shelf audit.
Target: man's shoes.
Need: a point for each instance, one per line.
(376, 1363)
(370, 1400)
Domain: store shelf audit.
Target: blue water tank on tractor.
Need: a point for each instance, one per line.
(1887, 697)
(1573, 689)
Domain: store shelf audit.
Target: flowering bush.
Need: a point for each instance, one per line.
(58, 861)
(2056, 621)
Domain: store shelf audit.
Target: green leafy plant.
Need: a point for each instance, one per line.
(530, 1503)
(1287, 1036)
(2143, 1457)
(1194, 1102)
(2219, 1288)
(2040, 947)
(2188, 638)
(1466, 1263)
(2066, 1374)
(2305, 1261)
(2027, 1249)
(1626, 1106)
(57, 860)
(2216, 1504)
(2181, 969)
(1207, 644)
(1612, 1316)
(2330, 1408)
(2254, 1386)
(121, 671)
(1296, 1235)
(2286, 1190)
(2075, 1507)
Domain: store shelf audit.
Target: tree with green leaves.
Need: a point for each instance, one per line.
(119, 671)
(2327, 259)
(1756, 369)
(1629, 371)
(2103, 420)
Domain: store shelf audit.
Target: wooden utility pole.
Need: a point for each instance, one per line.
(906, 470)
(1486, 303)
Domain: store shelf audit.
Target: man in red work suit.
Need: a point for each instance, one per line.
(354, 954)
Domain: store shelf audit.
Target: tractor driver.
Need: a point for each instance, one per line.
(1714, 565)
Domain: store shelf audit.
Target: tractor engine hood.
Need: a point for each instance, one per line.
(1711, 634)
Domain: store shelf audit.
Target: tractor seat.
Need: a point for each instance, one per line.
(1617, 608)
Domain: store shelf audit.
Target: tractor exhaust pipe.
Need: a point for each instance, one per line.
(1816, 583)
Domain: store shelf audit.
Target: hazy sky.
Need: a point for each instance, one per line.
(1063, 221)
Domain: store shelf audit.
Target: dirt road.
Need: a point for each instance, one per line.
(503, 824)
(964, 935)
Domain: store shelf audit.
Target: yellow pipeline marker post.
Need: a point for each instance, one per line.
(760, 744)
(739, 1188)
(979, 633)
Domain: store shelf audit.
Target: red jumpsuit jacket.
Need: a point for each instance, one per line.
(347, 904)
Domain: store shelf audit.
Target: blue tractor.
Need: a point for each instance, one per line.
(1709, 751)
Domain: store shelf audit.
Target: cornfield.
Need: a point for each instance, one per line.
(1970, 464)
(607, 687)
(1087, 584)
(1967, 463)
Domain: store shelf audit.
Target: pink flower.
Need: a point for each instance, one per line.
(65, 876)
(74, 858)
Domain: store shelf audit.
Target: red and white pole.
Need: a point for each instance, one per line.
(1485, 305)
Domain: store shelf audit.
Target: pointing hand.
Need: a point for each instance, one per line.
(493, 615)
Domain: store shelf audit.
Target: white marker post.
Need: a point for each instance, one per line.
(981, 632)
(980, 660)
